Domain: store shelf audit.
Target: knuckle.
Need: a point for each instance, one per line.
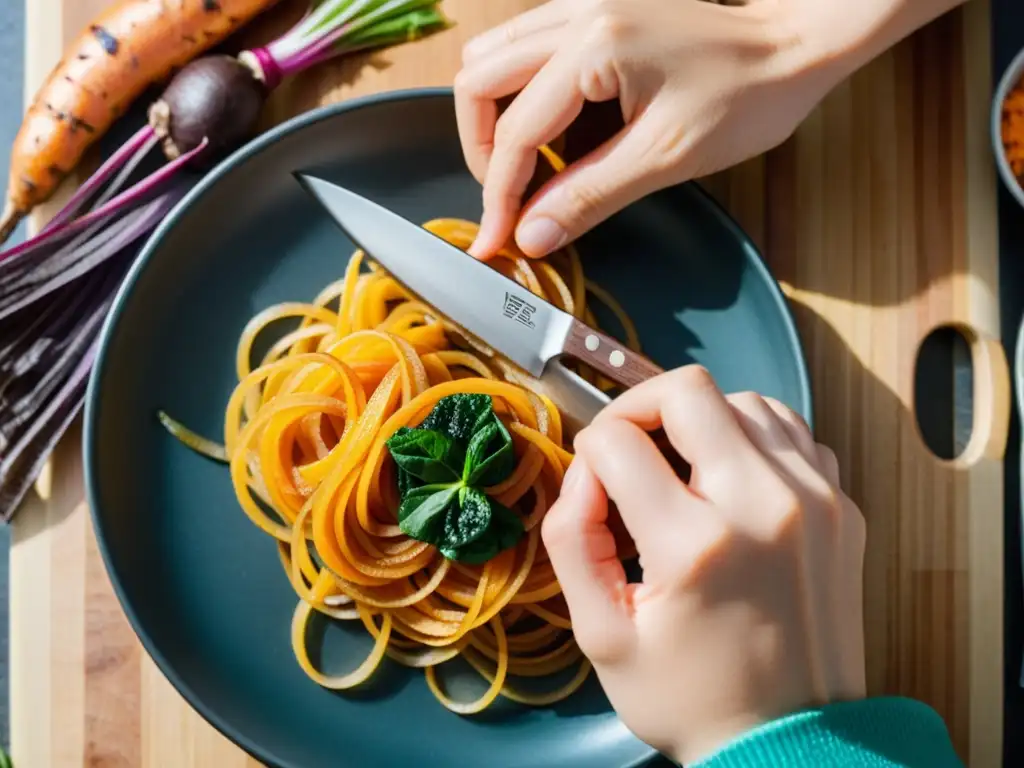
(695, 377)
(609, 22)
(593, 439)
(827, 456)
(598, 79)
(602, 648)
(787, 511)
(582, 199)
(786, 412)
(750, 401)
(506, 131)
(857, 525)
(463, 83)
(470, 50)
(510, 32)
(828, 464)
(830, 499)
(555, 529)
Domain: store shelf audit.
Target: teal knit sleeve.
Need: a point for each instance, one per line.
(886, 732)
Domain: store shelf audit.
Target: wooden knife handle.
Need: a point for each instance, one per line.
(607, 356)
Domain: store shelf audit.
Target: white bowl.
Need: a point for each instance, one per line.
(1013, 73)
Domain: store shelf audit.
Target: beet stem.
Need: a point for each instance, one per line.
(126, 172)
(50, 425)
(113, 188)
(104, 172)
(149, 184)
(311, 27)
(390, 22)
(119, 204)
(272, 72)
(75, 259)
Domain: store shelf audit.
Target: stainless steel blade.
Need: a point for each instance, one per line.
(524, 328)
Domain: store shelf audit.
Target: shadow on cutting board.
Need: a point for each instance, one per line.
(915, 581)
(830, 206)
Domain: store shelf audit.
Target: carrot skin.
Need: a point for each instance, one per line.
(127, 48)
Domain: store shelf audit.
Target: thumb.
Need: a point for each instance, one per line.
(616, 174)
(582, 552)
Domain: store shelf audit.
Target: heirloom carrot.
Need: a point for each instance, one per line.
(130, 46)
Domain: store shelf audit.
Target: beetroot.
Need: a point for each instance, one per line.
(216, 98)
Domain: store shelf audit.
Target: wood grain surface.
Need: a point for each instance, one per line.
(879, 219)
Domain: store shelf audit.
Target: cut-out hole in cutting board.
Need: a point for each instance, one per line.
(943, 392)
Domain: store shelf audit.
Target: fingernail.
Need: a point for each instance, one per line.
(481, 247)
(477, 251)
(540, 236)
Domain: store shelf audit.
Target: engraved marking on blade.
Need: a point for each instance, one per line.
(519, 310)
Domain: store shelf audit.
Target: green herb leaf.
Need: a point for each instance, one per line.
(406, 483)
(426, 454)
(489, 458)
(468, 520)
(504, 531)
(422, 512)
(506, 526)
(475, 553)
(443, 465)
(459, 416)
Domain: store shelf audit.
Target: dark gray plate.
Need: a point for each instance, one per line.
(200, 584)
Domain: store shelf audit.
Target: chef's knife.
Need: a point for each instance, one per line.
(528, 331)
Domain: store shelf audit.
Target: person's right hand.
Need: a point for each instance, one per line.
(751, 601)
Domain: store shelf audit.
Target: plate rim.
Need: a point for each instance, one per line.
(141, 262)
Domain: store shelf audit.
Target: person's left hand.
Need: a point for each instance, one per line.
(701, 87)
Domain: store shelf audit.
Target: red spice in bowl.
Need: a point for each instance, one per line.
(1012, 129)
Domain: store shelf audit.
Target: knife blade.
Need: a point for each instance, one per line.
(529, 331)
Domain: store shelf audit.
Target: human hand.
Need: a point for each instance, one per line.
(751, 601)
(701, 87)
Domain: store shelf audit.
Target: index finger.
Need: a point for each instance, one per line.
(698, 420)
(542, 110)
(479, 85)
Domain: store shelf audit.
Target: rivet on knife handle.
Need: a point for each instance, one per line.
(607, 356)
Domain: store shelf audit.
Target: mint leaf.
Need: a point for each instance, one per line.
(506, 526)
(421, 514)
(406, 484)
(426, 455)
(468, 520)
(475, 553)
(443, 465)
(489, 458)
(459, 416)
(505, 530)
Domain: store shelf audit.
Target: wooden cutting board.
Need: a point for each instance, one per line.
(879, 219)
